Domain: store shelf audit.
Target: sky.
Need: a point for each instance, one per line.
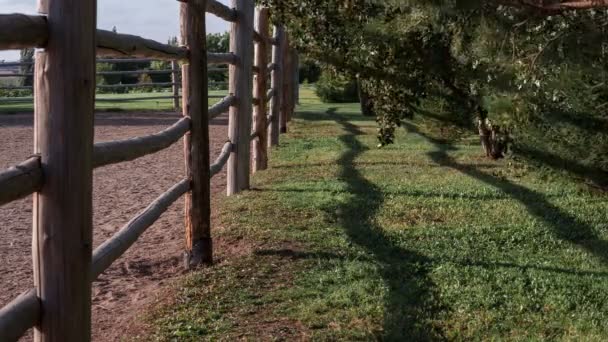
(152, 19)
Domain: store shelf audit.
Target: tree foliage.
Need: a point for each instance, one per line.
(528, 72)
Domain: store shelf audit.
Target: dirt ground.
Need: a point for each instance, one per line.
(120, 192)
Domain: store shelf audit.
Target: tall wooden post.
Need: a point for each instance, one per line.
(287, 93)
(241, 79)
(296, 78)
(285, 71)
(277, 86)
(196, 144)
(260, 121)
(62, 216)
(175, 87)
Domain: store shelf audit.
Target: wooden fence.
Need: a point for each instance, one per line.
(60, 174)
(174, 85)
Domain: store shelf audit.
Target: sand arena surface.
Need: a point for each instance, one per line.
(119, 193)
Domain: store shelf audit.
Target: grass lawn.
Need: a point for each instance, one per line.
(421, 240)
(134, 105)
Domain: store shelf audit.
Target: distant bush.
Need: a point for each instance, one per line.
(333, 87)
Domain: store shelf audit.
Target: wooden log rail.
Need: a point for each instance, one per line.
(20, 181)
(221, 107)
(118, 44)
(32, 31)
(222, 11)
(19, 315)
(136, 98)
(221, 160)
(222, 58)
(117, 245)
(113, 152)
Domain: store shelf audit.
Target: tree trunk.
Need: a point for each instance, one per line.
(367, 108)
(493, 143)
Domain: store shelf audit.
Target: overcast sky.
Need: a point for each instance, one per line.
(154, 19)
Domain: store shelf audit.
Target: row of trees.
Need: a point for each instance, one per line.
(529, 74)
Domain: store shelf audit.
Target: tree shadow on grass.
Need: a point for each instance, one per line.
(411, 302)
(563, 225)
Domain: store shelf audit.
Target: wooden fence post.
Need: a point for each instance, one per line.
(277, 86)
(196, 144)
(260, 120)
(241, 79)
(175, 87)
(62, 215)
(285, 71)
(296, 78)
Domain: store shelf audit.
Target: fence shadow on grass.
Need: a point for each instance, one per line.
(563, 225)
(410, 304)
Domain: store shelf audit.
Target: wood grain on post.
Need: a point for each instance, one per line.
(62, 223)
(296, 78)
(277, 87)
(286, 72)
(175, 86)
(241, 79)
(260, 122)
(195, 93)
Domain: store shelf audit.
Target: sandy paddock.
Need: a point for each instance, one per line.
(120, 192)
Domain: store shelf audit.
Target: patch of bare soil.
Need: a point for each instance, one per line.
(120, 192)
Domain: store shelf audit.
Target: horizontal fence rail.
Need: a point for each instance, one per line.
(221, 160)
(222, 106)
(222, 11)
(19, 316)
(113, 152)
(222, 58)
(118, 44)
(19, 31)
(117, 245)
(20, 181)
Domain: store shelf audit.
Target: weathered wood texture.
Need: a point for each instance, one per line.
(241, 79)
(222, 11)
(18, 31)
(198, 220)
(19, 315)
(277, 86)
(222, 58)
(221, 160)
(113, 152)
(260, 123)
(287, 86)
(118, 244)
(269, 94)
(137, 85)
(222, 107)
(62, 233)
(20, 180)
(175, 84)
(259, 37)
(136, 99)
(118, 44)
(296, 79)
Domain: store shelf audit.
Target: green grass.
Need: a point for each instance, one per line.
(135, 105)
(421, 240)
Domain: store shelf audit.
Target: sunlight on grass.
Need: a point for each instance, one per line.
(418, 241)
